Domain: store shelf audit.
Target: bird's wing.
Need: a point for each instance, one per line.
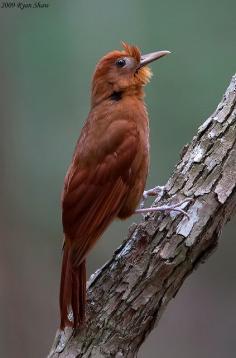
(94, 194)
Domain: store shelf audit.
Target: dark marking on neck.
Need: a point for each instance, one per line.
(116, 96)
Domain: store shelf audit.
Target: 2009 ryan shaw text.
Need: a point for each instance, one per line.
(22, 5)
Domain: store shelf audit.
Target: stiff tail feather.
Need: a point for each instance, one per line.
(72, 290)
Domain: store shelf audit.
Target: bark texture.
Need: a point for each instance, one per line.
(127, 296)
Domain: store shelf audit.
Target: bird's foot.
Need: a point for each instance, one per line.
(156, 191)
(174, 207)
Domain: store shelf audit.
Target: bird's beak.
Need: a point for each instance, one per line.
(150, 57)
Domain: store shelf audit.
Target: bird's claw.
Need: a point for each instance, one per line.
(157, 190)
(169, 208)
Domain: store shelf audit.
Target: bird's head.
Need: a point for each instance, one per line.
(122, 72)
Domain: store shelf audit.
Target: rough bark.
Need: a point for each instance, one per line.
(127, 296)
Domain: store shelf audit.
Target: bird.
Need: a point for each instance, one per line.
(107, 177)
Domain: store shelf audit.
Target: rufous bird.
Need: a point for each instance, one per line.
(108, 173)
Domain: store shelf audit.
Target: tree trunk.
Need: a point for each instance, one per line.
(127, 296)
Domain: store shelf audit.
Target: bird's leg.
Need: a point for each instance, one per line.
(174, 207)
(157, 190)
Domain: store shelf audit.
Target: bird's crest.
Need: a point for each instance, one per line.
(132, 51)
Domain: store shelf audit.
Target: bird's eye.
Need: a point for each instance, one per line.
(121, 62)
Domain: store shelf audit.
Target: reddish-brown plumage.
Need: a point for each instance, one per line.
(108, 172)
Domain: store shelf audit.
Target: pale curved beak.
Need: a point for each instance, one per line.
(153, 56)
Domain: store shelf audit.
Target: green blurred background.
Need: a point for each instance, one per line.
(46, 62)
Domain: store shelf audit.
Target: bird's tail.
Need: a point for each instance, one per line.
(72, 290)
